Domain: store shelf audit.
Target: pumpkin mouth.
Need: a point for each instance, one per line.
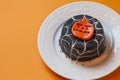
(83, 29)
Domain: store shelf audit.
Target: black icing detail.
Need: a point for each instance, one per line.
(80, 50)
(75, 52)
(78, 17)
(79, 47)
(69, 22)
(95, 20)
(69, 31)
(99, 25)
(99, 38)
(87, 16)
(73, 57)
(100, 31)
(101, 47)
(66, 48)
(64, 30)
(91, 45)
(92, 21)
(87, 56)
(68, 39)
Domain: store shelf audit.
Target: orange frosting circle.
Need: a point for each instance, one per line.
(83, 29)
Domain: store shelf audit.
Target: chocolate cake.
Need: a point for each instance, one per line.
(79, 49)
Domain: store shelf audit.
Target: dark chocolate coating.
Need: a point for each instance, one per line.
(81, 50)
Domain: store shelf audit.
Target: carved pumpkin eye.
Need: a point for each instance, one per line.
(83, 29)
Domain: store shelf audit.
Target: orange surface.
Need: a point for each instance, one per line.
(20, 21)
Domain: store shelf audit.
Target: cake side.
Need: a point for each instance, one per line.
(78, 49)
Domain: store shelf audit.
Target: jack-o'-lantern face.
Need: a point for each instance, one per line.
(83, 29)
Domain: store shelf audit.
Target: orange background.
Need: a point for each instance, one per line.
(20, 21)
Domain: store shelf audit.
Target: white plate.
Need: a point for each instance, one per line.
(49, 34)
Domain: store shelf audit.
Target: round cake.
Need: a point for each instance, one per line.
(82, 38)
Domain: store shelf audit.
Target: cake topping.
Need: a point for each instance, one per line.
(78, 49)
(83, 29)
